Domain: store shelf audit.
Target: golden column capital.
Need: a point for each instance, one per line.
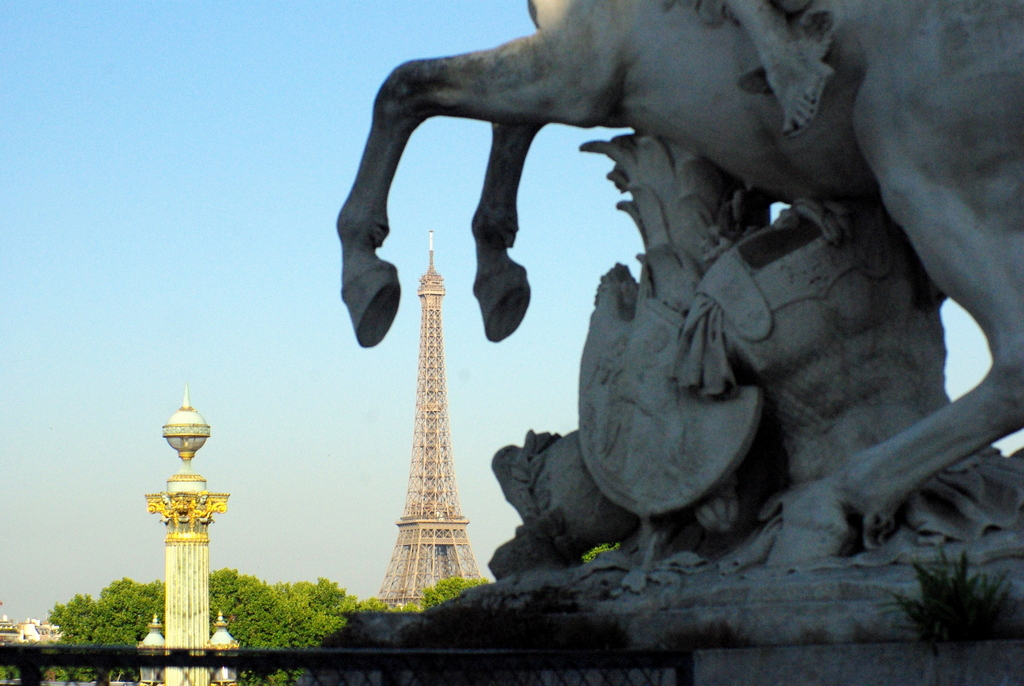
(187, 514)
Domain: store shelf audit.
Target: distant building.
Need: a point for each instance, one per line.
(29, 631)
(35, 631)
(8, 631)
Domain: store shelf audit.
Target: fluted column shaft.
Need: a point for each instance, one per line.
(187, 516)
(187, 605)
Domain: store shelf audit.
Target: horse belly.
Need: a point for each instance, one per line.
(683, 87)
(943, 92)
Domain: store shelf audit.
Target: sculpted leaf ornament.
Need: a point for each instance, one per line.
(187, 513)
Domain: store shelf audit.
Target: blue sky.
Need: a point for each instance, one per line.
(170, 174)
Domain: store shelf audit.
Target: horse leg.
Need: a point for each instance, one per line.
(568, 75)
(951, 172)
(501, 286)
(975, 258)
(974, 254)
(964, 214)
(370, 286)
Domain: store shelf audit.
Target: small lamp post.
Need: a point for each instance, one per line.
(152, 644)
(223, 641)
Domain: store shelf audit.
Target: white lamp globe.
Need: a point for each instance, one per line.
(186, 431)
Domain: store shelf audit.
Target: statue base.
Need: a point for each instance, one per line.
(610, 608)
(981, 663)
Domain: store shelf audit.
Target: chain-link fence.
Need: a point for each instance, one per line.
(68, 665)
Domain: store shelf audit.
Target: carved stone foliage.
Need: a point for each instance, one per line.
(187, 515)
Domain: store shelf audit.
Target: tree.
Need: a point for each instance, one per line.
(260, 615)
(118, 617)
(447, 589)
(282, 615)
(377, 605)
(373, 605)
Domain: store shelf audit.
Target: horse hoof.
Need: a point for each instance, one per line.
(504, 296)
(372, 297)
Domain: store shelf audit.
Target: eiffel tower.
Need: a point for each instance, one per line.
(432, 540)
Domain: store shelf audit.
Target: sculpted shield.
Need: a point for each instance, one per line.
(651, 447)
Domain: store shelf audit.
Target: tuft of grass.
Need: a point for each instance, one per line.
(954, 605)
(597, 550)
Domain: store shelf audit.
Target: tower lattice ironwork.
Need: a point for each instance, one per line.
(432, 539)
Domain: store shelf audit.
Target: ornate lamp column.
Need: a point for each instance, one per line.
(223, 641)
(187, 509)
(152, 644)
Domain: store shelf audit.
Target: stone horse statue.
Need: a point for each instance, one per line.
(923, 109)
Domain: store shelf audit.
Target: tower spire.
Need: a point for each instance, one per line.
(432, 539)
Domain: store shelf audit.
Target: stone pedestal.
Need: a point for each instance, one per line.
(756, 609)
(986, 663)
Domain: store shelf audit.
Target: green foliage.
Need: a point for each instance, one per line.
(954, 605)
(372, 605)
(260, 615)
(447, 589)
(118, 617)
(603, 548)
(282, 615)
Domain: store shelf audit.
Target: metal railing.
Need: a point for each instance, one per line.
(365, 666)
